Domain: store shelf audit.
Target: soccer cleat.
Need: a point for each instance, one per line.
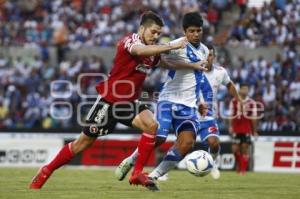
(163, 178)
(215, 172)
(144, 180)
(41, 177)
(123, 169)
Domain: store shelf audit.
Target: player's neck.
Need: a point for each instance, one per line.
(244, 97)
(196, 45)
(209, 68)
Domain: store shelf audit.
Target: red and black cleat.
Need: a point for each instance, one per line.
(40, 179)
(144, 180)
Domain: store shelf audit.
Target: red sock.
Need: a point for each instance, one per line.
(63, 157)
(145, 147)
(244, 163)
(237, 161)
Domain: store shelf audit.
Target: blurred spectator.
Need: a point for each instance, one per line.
(243, 6)
(75, 24)
(25, 93)
(274, 23)
(294, 90)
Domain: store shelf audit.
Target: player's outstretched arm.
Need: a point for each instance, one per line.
(233, 91)
(177, 64)
(150, 50)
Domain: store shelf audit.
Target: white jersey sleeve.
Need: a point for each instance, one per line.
(225, 77)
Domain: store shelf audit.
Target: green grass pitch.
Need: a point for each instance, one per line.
(73, 183)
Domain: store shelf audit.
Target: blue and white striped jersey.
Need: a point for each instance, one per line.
(183, 86)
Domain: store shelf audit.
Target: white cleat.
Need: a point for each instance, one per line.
(163, 178)
(215, 173)
(123, 169)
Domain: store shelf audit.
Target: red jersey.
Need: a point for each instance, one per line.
(242, 122)
(128, 73)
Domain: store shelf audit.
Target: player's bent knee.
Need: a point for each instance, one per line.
(213, 142)
(187, 145)
(151, 127)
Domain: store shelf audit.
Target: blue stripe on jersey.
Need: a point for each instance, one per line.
(191, 55)
(171, 73)
(207, 94)
(198, 74)
(198, 77)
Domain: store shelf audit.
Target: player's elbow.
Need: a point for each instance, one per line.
(137, 53)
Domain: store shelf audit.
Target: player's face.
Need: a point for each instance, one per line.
(151, 33)
(194, 34)
(210, 58)
(244, 91)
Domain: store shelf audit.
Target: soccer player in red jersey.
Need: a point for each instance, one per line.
(242, 125)
(117, 101)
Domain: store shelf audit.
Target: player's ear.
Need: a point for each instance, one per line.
(184, 32)
(142, 28)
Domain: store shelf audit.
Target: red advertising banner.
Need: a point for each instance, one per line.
(112, 152)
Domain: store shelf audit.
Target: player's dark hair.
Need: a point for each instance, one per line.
(150, 17)
(192, 19)
(244, 84)
(211, 47)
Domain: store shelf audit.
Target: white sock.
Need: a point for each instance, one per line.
(169, 162)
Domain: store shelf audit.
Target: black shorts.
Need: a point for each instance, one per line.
(103, 116)
(241, 138)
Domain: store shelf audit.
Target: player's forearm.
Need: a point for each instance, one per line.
(177, 64)
(254, 126)
(233, 91)
(150, 50)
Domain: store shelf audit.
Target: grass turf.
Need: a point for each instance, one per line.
(101, 183)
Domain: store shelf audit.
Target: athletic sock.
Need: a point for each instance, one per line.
(169, 162)
(237, 161)
(62, 158)
(244, 163)
(145, 147)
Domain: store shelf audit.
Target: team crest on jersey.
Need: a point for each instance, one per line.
(93, 129)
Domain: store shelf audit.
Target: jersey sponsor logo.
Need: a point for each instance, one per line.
(143, 69)
(286, 155)
(213, 129)
(101, 113)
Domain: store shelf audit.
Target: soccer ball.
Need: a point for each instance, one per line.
(199, 163)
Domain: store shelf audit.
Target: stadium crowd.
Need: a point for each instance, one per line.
(26, 93)
(78, 23)
(276, 23)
